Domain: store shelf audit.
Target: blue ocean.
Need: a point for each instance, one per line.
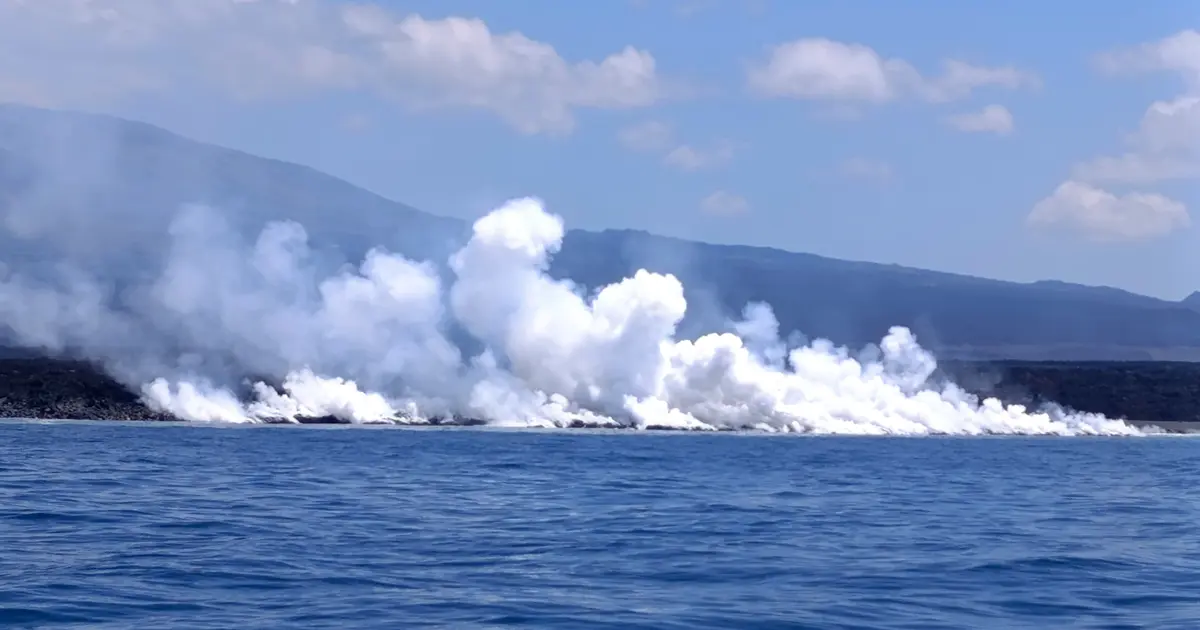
(109, 525)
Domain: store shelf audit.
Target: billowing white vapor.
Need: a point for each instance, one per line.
(371, 343)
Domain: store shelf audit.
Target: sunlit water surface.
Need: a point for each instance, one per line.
(159, 526)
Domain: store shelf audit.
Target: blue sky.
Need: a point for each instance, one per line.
(828, 127)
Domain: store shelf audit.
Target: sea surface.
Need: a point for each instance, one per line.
(169, 526)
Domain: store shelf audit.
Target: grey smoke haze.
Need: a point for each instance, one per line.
(219, 297)
(167, 273)
(107, 189)
(153, 287)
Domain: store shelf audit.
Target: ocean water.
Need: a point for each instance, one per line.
(169, 526)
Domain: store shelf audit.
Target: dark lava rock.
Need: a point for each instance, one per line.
(64, 389)
(1145, 392)
(1138, 391)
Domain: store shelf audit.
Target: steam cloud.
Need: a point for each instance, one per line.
(370, 343)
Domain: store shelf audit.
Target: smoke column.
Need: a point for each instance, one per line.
(235, 331)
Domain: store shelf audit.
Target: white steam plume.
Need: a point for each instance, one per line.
(369, 344)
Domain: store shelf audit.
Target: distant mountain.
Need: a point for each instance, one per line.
(111, 185)
(1192, 301)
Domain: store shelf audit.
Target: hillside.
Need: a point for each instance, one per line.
(1192, 301)
(108, 189)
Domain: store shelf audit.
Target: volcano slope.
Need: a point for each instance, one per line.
(1163, 394)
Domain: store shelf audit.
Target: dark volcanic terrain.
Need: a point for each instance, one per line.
(1165, 393)
(63, 389)
(1161, 393)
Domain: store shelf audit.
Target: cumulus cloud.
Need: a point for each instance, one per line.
(1178, 53)
(659, 138)
(1166, 143)
(991, 119)
(824, 69)
(1104, 217)
(1136, 168)
(1163, 147)
(724, 203)
(1169, 125)
(81, 53)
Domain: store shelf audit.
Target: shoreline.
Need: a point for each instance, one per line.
(1165, 429)
(1164, 395)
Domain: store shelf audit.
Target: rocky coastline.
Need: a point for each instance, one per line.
(1164, 394)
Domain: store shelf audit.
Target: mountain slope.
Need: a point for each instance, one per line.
(855, 303)
(1192, 301)
(107, 188)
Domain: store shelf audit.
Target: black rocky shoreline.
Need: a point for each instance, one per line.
(1164, 394)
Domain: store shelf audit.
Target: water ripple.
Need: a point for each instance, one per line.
(119, 526)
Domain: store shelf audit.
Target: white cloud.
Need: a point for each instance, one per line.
(659, 137)
(77, 53)
(960, 79)
(1166, 144)
(1104, 217)
(725, 204)
(1179, 53)
(991, 119)
(866, 169)
(1169, 125)
(824, 69)
(1163, 147)
(1136, 169)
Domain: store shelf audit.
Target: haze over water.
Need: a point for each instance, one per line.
(168, 526)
